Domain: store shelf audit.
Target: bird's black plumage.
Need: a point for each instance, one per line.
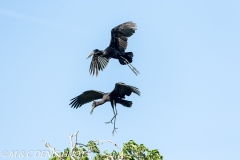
(86, 97)
(122, 89)
(116, 49)
(116, 96)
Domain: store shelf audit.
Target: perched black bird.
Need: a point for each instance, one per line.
(116, 96)
(116, 49)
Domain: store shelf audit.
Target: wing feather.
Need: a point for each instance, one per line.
(85, 97)
(120, 35)
(98, 63)
(122, 89)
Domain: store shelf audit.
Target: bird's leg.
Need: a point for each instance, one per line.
(111, 119)
(114, 128)
(134, 68)
(114, 117)
(126, 61)
(112, 103)
(130, 66)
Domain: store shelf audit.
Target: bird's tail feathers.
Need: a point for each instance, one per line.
(125, 103)
(128, 56)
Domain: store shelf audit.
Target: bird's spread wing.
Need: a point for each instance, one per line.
(122, 89)
(85, 97)
(98, 63)
(120, 34)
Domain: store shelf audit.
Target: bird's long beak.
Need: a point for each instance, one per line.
(92, 109)
(90, 55)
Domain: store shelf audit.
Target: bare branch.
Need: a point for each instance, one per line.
(52, 149)
(75, 139)
(104, 141)
(71, 143)
(73, 146)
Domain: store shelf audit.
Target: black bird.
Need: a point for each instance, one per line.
(116, 96)
(116, 49)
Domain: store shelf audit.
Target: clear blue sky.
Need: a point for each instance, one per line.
(187, 52)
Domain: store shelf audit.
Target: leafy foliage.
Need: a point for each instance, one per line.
(130, 151)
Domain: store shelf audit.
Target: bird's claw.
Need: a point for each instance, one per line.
(114, 130)
(108, 122)
(135, 73)
(112, 119)
(136, 70)
(133, 70)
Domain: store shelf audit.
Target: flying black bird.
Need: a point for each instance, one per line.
(116, 49)
(116, 96)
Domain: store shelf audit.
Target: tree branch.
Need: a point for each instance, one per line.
(52, 149)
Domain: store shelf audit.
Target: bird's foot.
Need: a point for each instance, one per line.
(136, 70)
(108, 122)
(114, 130)
(133, 69)
(112, 119)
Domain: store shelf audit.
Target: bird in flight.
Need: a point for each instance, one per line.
(116, 49)
(116, 96)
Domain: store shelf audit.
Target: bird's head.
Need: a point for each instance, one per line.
(92, 53)
(93, 106)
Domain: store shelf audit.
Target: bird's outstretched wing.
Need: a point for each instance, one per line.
(120, 34)
(122, 89)
(85, 97)
(98, 63)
